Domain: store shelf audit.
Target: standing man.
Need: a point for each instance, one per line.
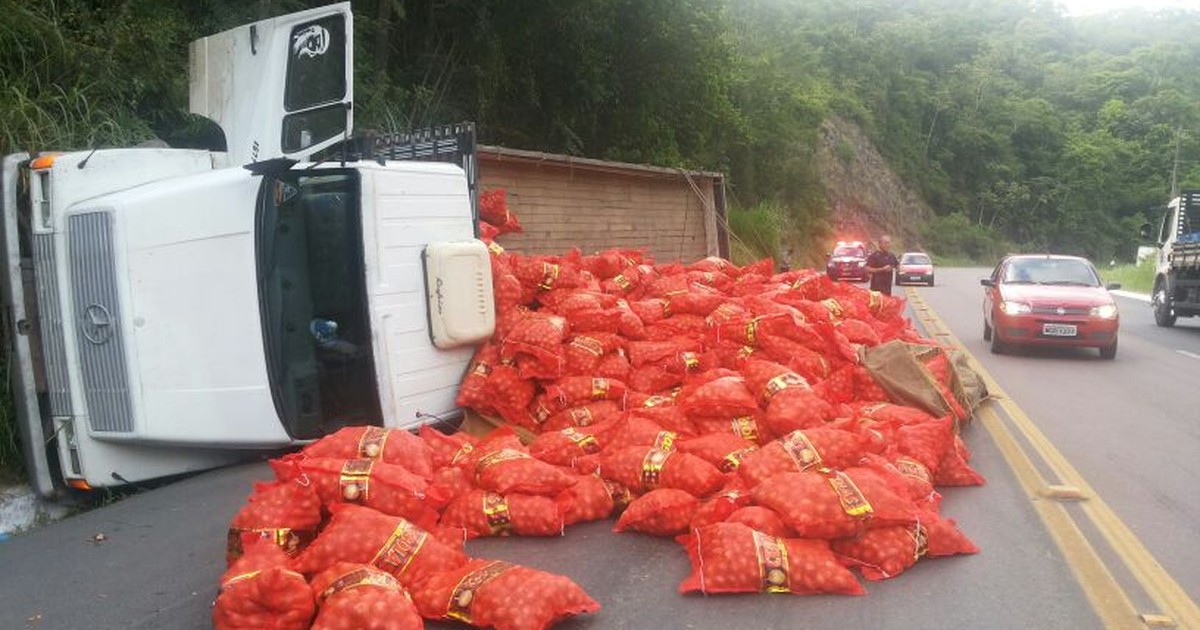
(880, 264)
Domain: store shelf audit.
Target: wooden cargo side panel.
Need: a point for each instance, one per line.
(564, 203)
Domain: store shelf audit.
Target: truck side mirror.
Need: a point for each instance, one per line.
(987, 282)
(1144, 232)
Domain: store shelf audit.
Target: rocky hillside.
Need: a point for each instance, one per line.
(866, 199)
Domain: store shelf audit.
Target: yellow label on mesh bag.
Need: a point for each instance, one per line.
(622, 282)
(652, 467)
(586, 443)
(495, 248)
(920, 538)
(581, 416)
(463, 595)
(722, 314)
(665, 441)
(751, 331)
(358, 578)
(733, 460)
(401, 547)
(914, 469)
(600, 388)
(496, 457)
(462, 453)
(355, 480)
(782, 382)
(690, 361)
(834, 307)
(852, 499)
(372, 442)
(772, 563)
(495, 510)
(590, 345)
(621, 496)
(288, 539)
(549, 276)
(797, 446)
(666, 306)
(241, 577)
(657, 400)
(746, 427)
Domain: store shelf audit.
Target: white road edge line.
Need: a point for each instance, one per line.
(1189, 354)
(1142, 297)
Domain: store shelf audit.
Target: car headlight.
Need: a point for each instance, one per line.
(1105, 311)
(1015, 308)
(862, 263)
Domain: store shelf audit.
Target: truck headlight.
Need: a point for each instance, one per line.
(1015, 308)
(1105, 311)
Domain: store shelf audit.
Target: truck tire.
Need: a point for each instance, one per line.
(1161, 300)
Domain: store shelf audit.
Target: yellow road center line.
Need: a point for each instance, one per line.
(1166, 593)
(1109, 601)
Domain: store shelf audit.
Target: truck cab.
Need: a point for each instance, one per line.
(1176, 290)
(172, 310)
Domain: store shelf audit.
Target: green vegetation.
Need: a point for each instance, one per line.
(1136, 278)
(1024, 129)
(756, 231)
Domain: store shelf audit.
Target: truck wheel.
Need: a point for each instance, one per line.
(1109, 352)
(1162, 306)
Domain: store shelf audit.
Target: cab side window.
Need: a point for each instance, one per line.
(1164, 231)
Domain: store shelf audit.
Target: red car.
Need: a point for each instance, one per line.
(1049, 300)
(848, 262)
(915, 267)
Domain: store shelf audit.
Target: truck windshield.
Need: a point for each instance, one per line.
(312, 293)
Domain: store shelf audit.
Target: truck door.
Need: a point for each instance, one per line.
(278, 88)
(1166, 235)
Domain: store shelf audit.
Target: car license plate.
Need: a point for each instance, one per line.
(1059, 330)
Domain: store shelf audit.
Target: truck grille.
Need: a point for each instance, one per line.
(98, 322)
(50, 324)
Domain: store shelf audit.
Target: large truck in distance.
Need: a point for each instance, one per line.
(1177, 270)
(169, 310)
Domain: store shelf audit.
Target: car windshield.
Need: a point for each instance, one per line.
(915, 259)
(312, 293)
(1057, 271)
(849, 251)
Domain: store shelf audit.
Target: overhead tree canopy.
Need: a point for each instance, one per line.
(1046, 131)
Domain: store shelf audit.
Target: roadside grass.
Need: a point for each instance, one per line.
(756, 233)
(955, 261)
(1135, 278)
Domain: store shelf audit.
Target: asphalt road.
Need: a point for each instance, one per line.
(1123, 423)
(1130, 426)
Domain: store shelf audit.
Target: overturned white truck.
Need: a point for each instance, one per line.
(169, 309)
